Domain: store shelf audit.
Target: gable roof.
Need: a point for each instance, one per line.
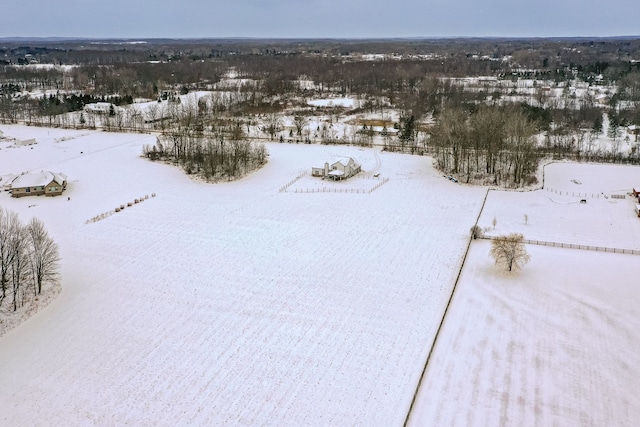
(344, 161)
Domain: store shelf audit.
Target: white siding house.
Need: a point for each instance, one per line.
(338, 169)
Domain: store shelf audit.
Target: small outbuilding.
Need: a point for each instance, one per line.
(338, 169)
(37, 184)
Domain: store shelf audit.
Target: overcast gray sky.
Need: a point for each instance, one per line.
(318, 18)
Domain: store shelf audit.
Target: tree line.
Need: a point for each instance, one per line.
(492, 144)
(29, 261)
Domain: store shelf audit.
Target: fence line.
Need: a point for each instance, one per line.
(290, 183)
(118, 209)
(333, 190)
(573, 246)
(585, 195)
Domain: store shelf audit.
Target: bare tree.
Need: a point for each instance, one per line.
(9, 224)
(43, 255)
(300, 122)
(476, 232)
(19, 263)
(509, 251)
(272, 125)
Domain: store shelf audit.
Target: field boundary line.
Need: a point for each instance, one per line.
(444, 315)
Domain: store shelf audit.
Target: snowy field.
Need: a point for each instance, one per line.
(240, 304)
(556, 343)
(230, 304)
(555, 214)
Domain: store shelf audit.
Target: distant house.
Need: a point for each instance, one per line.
(37, 184)
(338, 169)
(99, 107)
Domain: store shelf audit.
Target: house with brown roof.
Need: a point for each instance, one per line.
(37, 184)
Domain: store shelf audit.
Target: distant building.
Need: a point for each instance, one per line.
(99, 107)
(37, 184)
(338, 169)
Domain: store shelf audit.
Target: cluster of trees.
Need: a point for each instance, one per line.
(29, 260)
(221, 154)
(493, 143)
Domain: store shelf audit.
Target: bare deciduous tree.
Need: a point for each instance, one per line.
(300, 122)
(9, 224)
(272, 125)
(28, 255)
(509, 251)
(476, 232)
(19, 264)
(43, 255)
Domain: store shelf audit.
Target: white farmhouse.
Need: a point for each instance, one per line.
(338, 169)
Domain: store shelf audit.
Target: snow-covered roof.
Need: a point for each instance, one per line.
(39, 179)
(336, 172)
(344, 161)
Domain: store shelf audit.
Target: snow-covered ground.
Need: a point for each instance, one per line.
(555, 213)
(230, 303)
(240, 304)
(555, 344)
(334, 102)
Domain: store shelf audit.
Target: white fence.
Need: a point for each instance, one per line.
(290, 183)
(573, 246)
(380, 183)
(585, 195)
